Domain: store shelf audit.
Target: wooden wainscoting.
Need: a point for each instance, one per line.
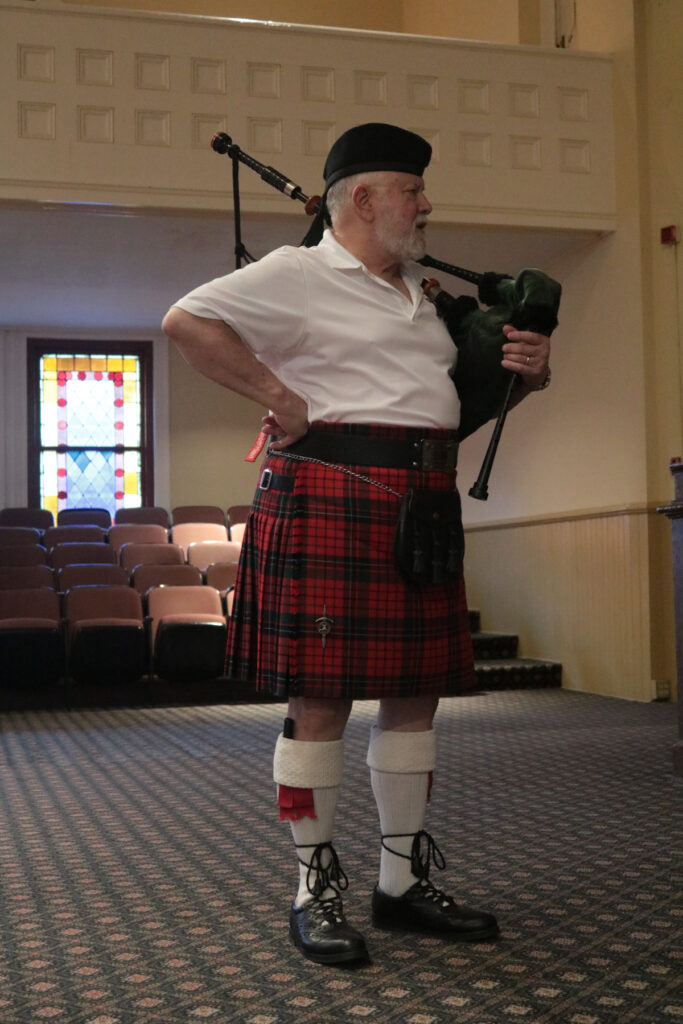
(590, 589)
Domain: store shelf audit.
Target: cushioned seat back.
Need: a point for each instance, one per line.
(38, 518)
(71, 553)
(77, 534)
(137, 533)
(131, 555)
(96, 516)
(24, 554)
(30, 604)
(78, 575)
(192, 533)
(24, 577)
(203, 553)
(19, 536)
(221, 575)
(188, 632)
(145, 514)
(198, 514)
(144, 577)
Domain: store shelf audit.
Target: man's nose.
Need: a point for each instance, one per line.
(425, 205)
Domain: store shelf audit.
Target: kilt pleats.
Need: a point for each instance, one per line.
(320, 608)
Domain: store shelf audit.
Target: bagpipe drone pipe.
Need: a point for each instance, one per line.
(529, 302)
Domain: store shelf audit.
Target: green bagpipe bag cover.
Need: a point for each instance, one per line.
(530, 302)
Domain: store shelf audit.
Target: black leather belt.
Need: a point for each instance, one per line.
(426, 454)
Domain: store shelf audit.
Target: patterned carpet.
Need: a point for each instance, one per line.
(142, 879)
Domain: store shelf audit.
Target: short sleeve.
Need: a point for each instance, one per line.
(264, 302)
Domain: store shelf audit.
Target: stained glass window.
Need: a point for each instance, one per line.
(90, 430)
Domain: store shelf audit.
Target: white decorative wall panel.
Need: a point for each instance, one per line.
(506, 123)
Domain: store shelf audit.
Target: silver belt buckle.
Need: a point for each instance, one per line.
(438, 456)
(266, 479)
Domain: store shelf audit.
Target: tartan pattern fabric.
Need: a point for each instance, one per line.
(320, 608)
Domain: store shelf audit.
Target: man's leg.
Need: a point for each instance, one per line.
(402, 758)
(308, 768)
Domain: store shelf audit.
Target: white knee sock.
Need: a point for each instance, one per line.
(313, 770)
(400, 765)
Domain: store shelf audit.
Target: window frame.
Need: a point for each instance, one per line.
(36, 348)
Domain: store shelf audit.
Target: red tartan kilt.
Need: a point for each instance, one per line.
(319, 559)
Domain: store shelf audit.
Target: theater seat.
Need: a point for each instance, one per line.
(137, 533)
(38, 518)
(106, 634)
(238, 514)
(25, 577)
(203, 553)
(198, 514)
(82, 516)
(83, 534)
(144, 514)
(144, 577)
(19, 536)
(72, 553)
(23, 554)
(188, 633)
(89, 575)
(131, 555)
(192, 533)
(221, 575)
(31, 641)
(237, 532)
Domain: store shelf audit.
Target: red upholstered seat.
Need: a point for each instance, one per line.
(144, 577)
(188, 632)
(79, 575)
(38, 518)
(25, 577)
(144, 514)
(192, 533)
(31, 644)
(204, 553)
(198, 514)
(106, 634)
(137, 533)
(72, 553)
(19, 536)
(80, 516)
(24, 554)
(131, 555)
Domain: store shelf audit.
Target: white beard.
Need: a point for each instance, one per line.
(401, 244)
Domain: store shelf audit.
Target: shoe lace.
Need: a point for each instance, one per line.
(324, 871)
(330, 909)
(423, 853)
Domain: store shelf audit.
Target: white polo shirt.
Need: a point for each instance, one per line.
(354, 347)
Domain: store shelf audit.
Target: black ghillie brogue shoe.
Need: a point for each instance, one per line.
(426, 909)
(322, 933)
(318, 927)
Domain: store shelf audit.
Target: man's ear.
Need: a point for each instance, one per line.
(362, 200)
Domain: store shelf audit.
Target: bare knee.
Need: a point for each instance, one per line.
(319, 718)
(407, 714)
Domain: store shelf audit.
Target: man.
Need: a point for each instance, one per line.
(338, 341)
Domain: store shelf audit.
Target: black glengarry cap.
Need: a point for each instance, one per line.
(369, 147)
(376, 147)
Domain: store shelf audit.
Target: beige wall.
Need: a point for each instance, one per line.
(211, 430)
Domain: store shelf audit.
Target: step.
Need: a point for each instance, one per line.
(495, 645)
(518, 673)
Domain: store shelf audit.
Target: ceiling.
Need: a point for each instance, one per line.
(99, 267)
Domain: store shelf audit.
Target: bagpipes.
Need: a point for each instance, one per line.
(529, 302)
